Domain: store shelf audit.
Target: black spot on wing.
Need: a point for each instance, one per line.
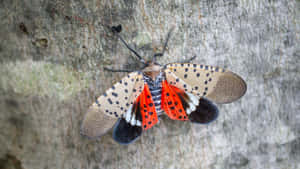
(114, 94)
(116, 114)
(109, 101)
(98, 104)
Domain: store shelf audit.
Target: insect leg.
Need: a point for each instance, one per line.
(188, 60)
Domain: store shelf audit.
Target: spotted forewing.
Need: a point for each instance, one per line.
(214, 83)
(103, 113)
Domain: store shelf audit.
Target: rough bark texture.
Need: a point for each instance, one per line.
(52, 55)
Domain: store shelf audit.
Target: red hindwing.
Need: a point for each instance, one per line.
(171, 103)
(147, 107)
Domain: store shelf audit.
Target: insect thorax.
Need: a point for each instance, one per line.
(155, 90)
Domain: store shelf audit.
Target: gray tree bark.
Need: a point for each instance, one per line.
(52, 56)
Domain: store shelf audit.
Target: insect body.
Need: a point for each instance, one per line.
(182, 91)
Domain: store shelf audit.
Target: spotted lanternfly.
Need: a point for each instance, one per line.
(182, 91)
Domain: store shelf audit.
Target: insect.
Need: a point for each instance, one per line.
(183, 91)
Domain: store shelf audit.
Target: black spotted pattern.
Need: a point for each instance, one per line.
(207, 76)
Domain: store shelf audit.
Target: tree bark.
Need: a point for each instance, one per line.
(52, 56)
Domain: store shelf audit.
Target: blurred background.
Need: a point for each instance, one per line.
(52, 55)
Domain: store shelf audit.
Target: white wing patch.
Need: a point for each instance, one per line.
(215, 83)
(193, 103)
(119, 99)
(129, 116)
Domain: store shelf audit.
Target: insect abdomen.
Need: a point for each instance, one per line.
(156, 97)
(155, 90)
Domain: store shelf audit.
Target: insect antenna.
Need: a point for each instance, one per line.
(117, 30)
(165, 46)
(117, 70)
(124, 70)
